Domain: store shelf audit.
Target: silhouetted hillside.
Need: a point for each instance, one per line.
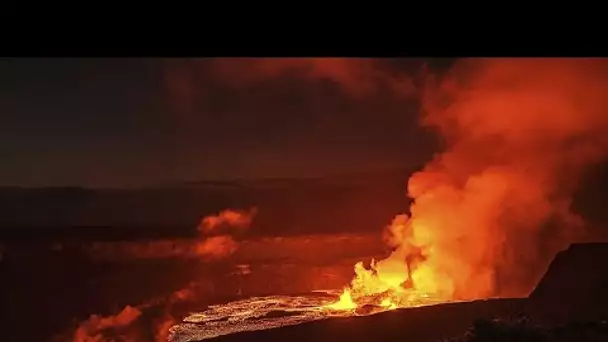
(574, 285)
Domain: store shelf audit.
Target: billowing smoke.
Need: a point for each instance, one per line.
(227, 220)
(492, 209)
(229, 223)
(130, 325)
(210, 247)
(92, 330)
(216, 247)
(218, 238)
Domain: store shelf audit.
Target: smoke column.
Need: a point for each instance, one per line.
(492, 209)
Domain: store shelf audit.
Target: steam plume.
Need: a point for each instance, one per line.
(105, 329)
(92, 329)
(493, 208)
(229, 219)
(216, 247)
(124, 325)
(217, 240)
(221, 246)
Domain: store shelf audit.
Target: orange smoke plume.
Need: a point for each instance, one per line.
(221, 246)
(217, 247)
(92, 329)
(124, 325)
(163, 329)
(492, 209)
(225, 223)
(228, 219)
(106, 329)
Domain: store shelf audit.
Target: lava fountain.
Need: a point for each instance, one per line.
(403, 279)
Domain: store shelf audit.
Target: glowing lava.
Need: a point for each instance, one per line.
(262, 313)
(405, 278)
(344, 303)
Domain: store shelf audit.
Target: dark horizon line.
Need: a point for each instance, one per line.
(225, 182)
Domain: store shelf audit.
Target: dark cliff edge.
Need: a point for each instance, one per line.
(575, 286)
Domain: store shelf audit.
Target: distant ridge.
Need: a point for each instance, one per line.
(356, 201)
(356, 177)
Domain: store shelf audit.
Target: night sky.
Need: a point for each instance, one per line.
(142, 122)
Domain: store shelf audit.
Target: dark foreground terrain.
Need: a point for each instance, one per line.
(524, 330)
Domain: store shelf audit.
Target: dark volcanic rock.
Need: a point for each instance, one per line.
(575, 286)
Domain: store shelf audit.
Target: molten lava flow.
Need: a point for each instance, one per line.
(406, 278)
(344, 303)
